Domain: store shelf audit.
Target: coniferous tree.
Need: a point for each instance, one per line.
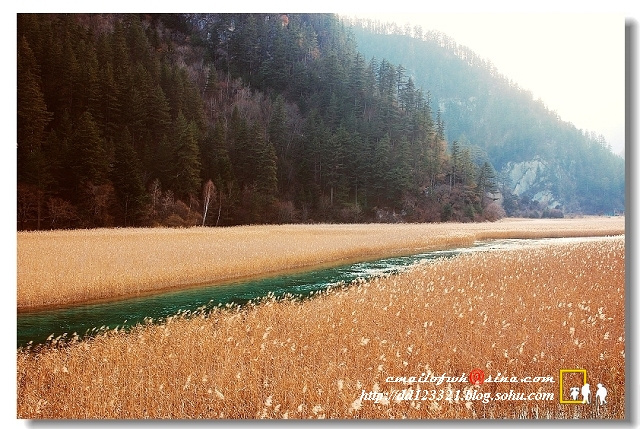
(401, 174)
(216, 160)
(186, 170)
(86, 82)
(267, 170)
(382, 167)
(126, 176)
(336, 180)
(486, 179)
(109, 110)
(279, 138)
(238, 140)
(88, 157)
(157, 121)
(33, 116)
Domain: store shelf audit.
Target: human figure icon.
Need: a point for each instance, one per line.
(575, 391)
(586, 393)
(601, 394)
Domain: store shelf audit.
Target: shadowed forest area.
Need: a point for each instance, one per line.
(179, 120)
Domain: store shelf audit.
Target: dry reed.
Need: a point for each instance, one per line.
(526, 312)
(66, 267)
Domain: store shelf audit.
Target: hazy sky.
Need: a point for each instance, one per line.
(574, 62)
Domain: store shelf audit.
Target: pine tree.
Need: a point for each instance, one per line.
(276, 67)
(455, 163)
(401, 173)
(466, 168)
(187, 159)
(381, 169)
(33, 116)
(157, 118)
(34, 175)
(267, 167)
(211, 85)
(216, 162)
(162, 162)
(88, 156)
(238, 140)
(277, 128)
(126, 176)
(486, 180)
(68, 98)
(356, 84)
(440, 126)
(109, 110)
(279, 138)
(336, 180)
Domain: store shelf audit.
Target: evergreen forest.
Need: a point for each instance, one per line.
(226, 119)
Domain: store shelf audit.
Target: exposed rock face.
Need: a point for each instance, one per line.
(546, 199)
(533, 179)
(524, 175)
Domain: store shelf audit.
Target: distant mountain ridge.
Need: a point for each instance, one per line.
(484, 109)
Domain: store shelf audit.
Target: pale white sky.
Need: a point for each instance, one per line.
(574, 62)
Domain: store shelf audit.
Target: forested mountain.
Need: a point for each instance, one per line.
(151, 119)
(538, 156)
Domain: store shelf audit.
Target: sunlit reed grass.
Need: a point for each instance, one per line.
(65, 267)
(526, 312)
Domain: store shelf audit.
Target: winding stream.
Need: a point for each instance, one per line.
(37, 326)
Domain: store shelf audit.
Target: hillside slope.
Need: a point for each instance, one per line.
(226, 119)
(540, 157)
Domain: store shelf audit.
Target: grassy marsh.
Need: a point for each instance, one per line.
(66, 267)
(527, 312)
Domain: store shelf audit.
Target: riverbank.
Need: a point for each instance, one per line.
(517, 313)
(57, 268)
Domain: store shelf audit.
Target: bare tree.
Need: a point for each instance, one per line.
(156, 193)
(208, 193)
(61, 211)
(220, 207)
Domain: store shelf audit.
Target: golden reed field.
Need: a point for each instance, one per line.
(372, 350)
(65, 267)
(519, 313)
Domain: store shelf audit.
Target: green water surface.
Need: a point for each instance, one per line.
(37, 326)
